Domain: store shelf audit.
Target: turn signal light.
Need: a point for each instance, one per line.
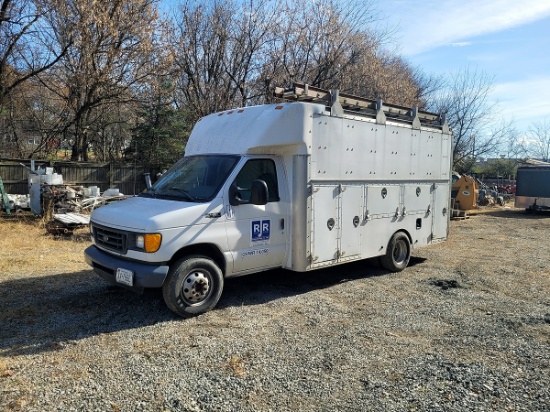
(149, 242)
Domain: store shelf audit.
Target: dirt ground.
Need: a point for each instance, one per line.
(465, 327)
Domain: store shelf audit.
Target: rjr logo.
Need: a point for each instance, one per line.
(260, 230)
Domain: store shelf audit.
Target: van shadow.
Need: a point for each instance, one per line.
(43, 314)
(263, 287)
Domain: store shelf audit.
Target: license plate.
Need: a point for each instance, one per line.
(125, 276)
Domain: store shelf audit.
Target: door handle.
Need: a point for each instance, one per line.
(282, 224)
(213, 215)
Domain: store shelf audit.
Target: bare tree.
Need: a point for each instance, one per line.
(466, 103)
(220, 49)
(509, 148)
(111, 130)
(234, 53)
(539, 138)
(35, 118)
(339, 45)
(112, 51)
(25, 43)
(11, 127)
(428, 85)
(201, 42)
(26, 50)
(320, 42)
(513, 143)
(381, 74)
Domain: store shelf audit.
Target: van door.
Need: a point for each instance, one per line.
(257, 234)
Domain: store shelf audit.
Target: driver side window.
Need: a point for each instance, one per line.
(263, 169)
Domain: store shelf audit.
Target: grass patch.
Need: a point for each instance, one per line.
(26, 247)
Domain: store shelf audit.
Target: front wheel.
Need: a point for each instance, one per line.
(397, 254)
(194, 286)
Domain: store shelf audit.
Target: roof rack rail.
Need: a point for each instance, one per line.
(340, 102)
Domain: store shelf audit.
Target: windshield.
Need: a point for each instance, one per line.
(193, 178)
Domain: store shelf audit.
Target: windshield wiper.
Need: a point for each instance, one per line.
(184, 192)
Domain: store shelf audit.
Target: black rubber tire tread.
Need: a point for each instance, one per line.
(172, 287)
(388, 261)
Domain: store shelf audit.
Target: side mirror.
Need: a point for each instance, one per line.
(235, 195)
(259, 192)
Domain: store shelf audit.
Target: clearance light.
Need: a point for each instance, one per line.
(149, 242)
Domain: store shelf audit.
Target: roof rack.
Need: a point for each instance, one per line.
(340, 103)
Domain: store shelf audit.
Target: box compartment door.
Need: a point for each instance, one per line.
(325, 223)
(351, 218)
(441, 200)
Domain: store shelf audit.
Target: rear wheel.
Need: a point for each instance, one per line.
(194, 285)
(397, 254)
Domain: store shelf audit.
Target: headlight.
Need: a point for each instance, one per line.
(149, 242)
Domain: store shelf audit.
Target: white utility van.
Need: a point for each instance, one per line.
(324, 180)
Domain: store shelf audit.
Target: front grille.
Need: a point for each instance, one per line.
(111, 239)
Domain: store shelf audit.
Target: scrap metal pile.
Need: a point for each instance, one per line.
(62, 198)
(65, 207)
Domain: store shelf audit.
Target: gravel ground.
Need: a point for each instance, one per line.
(465, 327)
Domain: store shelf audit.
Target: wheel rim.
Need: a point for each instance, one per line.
(400, 251)
(196, 287)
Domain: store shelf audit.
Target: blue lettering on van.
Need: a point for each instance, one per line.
(260, 230)
(254, 253)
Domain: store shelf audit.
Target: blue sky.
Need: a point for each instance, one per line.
(507, 39)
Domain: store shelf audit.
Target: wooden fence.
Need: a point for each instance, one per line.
(128, 178)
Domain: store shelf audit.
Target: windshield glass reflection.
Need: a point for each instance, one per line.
(193, 178)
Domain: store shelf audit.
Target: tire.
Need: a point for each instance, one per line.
(194, 286)
(397, 254)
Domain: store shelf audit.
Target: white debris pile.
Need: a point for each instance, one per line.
(66, 223)
(64, 205)
(16, 202)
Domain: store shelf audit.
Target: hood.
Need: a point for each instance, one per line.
(150, 215)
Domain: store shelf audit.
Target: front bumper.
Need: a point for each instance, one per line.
(145, 275)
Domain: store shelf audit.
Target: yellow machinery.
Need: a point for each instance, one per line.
(464, 192)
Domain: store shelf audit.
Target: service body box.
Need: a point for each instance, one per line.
(368, 180)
